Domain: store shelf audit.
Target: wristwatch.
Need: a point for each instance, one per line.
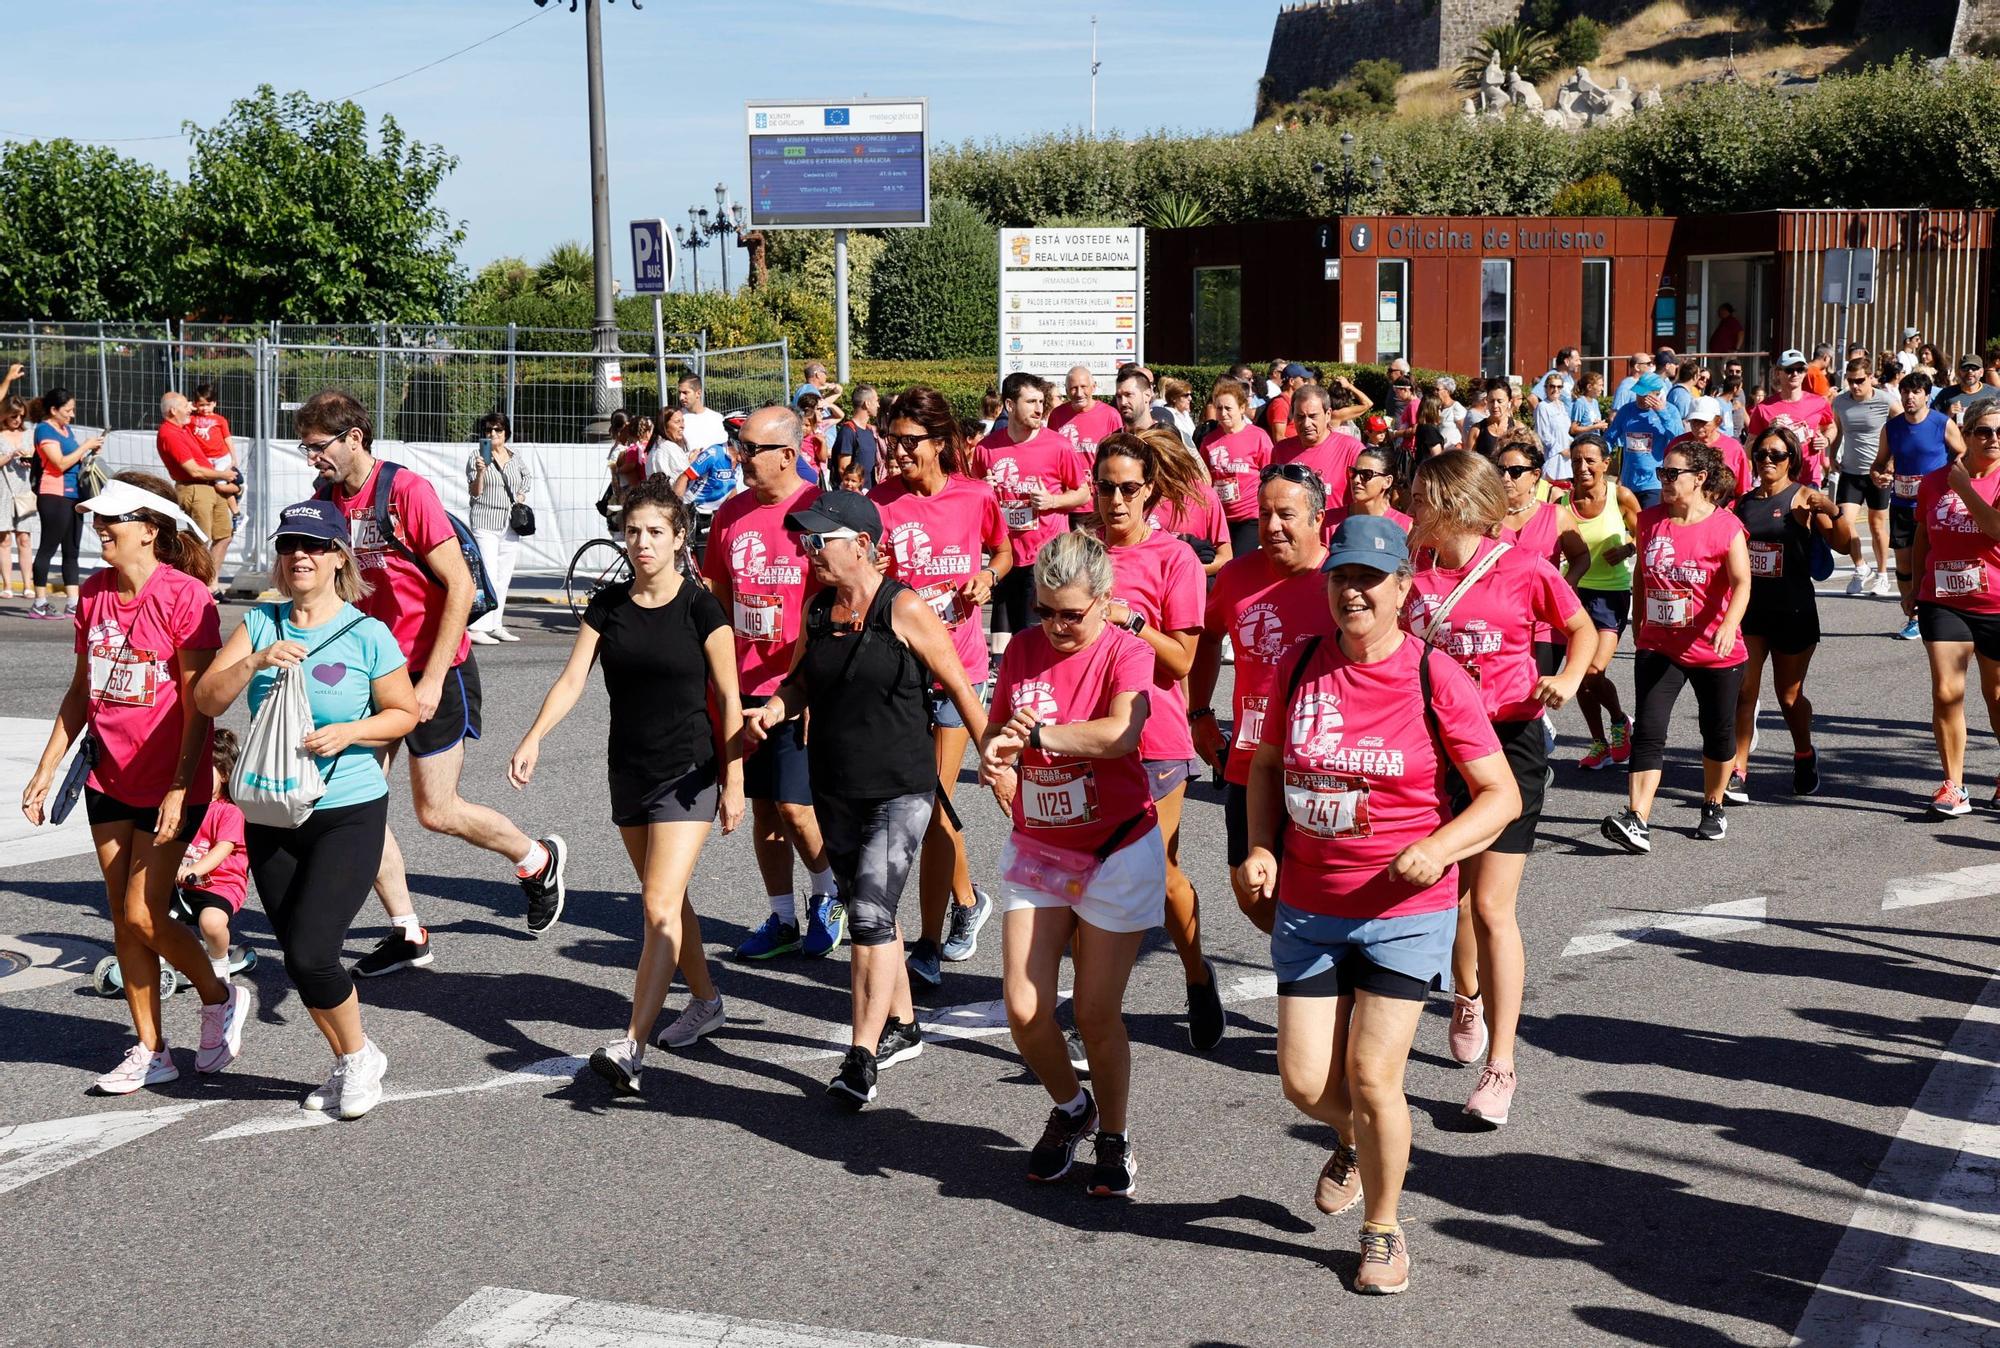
(1201, 714)
(1136, 623)
(1035, 736)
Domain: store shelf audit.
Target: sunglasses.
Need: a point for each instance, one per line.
(129, 517)
(1674, 474)
(1772, 456)
(903, 444)
(1366, 475)
(817, 542)
(1064, 617)
(313, 547)
(751, 449)
(1125, 489)
(1290, 472)
(1985, 432)
(1517, 471)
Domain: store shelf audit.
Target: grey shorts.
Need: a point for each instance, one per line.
(1164, 775)
(871, 845)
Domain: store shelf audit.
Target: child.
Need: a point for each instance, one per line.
(215, 869)
(211, 428)
(812, 445)
(855, 477)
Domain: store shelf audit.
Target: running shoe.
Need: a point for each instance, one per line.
(1548, 738)
(1950, 801)
(1597, 758)
(546, 889)
(1621, 740)
(1079, 1056)
(774, 938)
(1858, 586)
(1064, 1132)
(326, 1096)
(44, 611)
(1737, 789)
(1805, 773)
(1339, 1184)
(1492, 1096)
(1714, 823)
(1228, 651)
(396, 951)
(1204, 1003)
(1628, 830)
(361, 1083)
(142, 1066)
(479, 638)
(222, 1029)
(1385, 1263)
(697, 1019)
(1115, 1175)
(826, 926)
(923, 962)
(1910, 632)
(1467, 1038)
(901, 1041)
(619, 1063)
(854, 1084)
(961, 939)
(505, 634)
(1884, 586)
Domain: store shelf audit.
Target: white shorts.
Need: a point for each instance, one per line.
(1128, 893)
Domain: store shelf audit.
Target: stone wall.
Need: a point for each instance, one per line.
(1314, 44)
(1976, 31)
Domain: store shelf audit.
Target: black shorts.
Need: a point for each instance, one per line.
(1236, 822)
(1786, 630)
(194, 900)
(1935, 622)
(778, 769)
(1860, 489)
(1527, 752)
(457, 717)
(638, 801)
(1608, 610)
(1902, 528)
(1011, 597)
(99, 808)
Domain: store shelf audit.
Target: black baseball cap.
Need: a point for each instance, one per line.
(313, 519)
(838, 510)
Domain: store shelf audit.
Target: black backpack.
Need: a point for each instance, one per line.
(484, 599)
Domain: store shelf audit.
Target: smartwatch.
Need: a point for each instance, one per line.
(1136, 623)
(1035, 736)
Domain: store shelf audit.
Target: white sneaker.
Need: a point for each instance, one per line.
(1228, 651)
(479, 638)
(698, 1019)
(361, 1082)
(222, 1030)
(140, 1066)
(327, 1097)
(505, 634)
(1885, 585)
(1858, 585)
(619, 1063)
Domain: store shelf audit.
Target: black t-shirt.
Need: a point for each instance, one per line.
(870, 699)
(657, 674)
(1429, 440)
(1951, 401)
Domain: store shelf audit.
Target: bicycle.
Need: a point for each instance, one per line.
(596, 564)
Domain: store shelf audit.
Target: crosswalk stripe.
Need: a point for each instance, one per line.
(506, 1317)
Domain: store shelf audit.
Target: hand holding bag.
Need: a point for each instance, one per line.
(277, 782)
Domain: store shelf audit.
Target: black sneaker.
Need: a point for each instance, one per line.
(1064, 1132)
(1714, 824)
(1805, 773)
(1737, 790)
(547, 891)
(1204, 1003)
(1079, 1056)
(901, 1041)
(854, 1086)
(397, 951)
(1114, 1175)
(1628, 830)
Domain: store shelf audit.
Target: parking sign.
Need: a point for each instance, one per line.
(652, 257)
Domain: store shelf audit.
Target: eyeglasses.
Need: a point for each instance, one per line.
(1674, 474)
(1517, 471)
(751, 449)
(1062, 617)
(903, 444)
(1290, 472)
(1125, 489)
(817, 542)
(1772, 456)
(1984, 432)
(312, 447)
(313, 547)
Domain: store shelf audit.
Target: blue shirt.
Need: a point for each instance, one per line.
(1623, 393)
(1641, 436)
(1915, 450)
(1583, 411)
(1680, 400)
(714, 472)
(66, 442)
(338, 678)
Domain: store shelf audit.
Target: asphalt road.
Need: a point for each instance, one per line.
(1701, 1118)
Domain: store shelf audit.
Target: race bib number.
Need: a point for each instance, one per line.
(1250, 722)
(1906, 485)
(1639, 442)
(760, 617)
(943, 599)
(1020, 513)
(1326, 804)
(1959, 578)
(122, 675)
(1059, 795)
(1767, 559)
(1667, 610)
(1225, 490)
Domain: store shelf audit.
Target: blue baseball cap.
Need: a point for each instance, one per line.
(313, 519)
(1373, 541)
(1648, 383)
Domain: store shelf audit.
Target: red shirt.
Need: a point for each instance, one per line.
(1234, 461)
(230, 880)
(1161, 579)
(1085, 429)
(1278, 416)
(212, 430)
(1962, 565)
(1733, 458)
(765, 572)
(1044, 462)
(1076, 803)
(1683, 584)
(1809, 418)
(135, 698)
(403, 599)
(179, 447)
(1362, 779)
(1265, 614)
(1330, 458)
(1491, 630)
(935, 545)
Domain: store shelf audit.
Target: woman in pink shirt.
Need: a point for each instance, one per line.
(1198, 519)
(1236, 452)
(1693, 587)
(1158, 595)
(1085, 863)
(1350, 789)
(1371, 488)
(146, 629)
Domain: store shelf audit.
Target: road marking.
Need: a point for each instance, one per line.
(1718, 919)
(290, 1118)
(1974, 882)
(505, 1317)
(46, 963)
(1921, 1256)
(21, 843)
(37, 1150)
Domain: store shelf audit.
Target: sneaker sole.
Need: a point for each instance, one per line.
(616, 1076)
(1490, 1120)
(843, 1094)
(1382, 1289)
(707, 1027)
(1632, 845)
(1950, 812)
(915, 1050)
(1130, 1190)
(420, 962)
(740, 954)
(349, 1116)
(560, 851)
(812, 954)
(132, 1088)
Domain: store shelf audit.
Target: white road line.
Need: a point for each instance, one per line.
(22, 844)
(1974, 882)
(35, 1151)
(290, 1118)
(1921, 1258)
(1718, 919)
(505, 1317)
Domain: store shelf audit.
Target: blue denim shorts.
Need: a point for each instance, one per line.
(944, 712)
(1402, 957)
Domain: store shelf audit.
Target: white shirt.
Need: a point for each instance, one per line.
(705, 429)
(669, 458)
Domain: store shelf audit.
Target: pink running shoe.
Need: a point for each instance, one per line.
(1621, 741)
(222, 1030)
(1949, 800)
(1491, 1098)
(141, 1067)
(1468, 1030)
(1597, 759)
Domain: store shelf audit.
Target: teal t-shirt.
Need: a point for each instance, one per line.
(338, 675)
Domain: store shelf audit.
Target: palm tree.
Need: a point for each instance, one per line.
(1515, 46)
(567, 272)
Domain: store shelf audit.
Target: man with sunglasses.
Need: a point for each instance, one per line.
(1863, 409)
(1637, 367)
(1038, 474)
(1971, 387)
(425, 606)
(1806, 415)
(1315, 444)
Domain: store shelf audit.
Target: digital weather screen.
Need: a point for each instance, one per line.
(835, 166)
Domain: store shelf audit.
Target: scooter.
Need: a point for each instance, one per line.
(109, 980)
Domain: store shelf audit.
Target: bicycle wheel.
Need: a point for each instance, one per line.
(596, 564)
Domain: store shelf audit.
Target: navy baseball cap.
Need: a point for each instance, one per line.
(838, 510)
(313, 519)
(1374, 541)
(1297, 371)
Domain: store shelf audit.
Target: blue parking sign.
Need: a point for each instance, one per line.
(652, 257)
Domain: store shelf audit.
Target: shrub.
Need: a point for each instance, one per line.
(935, 291)
(1599, 194)
(1579, 42)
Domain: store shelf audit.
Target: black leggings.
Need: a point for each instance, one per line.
(61, 525)
(1658, 682)
(313, 879)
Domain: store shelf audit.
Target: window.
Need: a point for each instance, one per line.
(1218, 314)
(1595, 340)
(1496, 317)
(1392, 335)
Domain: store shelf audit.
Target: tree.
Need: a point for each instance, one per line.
(1514, 46)
(936, 291)
(1599, 194)
(85, 233)
(1579, 42)
(567, 272)
(292, 214)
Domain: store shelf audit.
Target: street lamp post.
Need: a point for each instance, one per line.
(728, 221)
(1349, 181)
(692, 241)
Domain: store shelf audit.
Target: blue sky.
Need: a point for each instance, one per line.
(677, 75)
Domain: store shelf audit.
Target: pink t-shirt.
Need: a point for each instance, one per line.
(1330, 458)
(1403, 522)
(764, 579)
(135, 699)
(403, 599)
(1162, 580)
(1961, 565)
(1202, 518)
(1733, 458)
(935, 545)
(1085, 429)
(1265, 615)
(1490, 631)
(1076, 803)
(230, 880)
(1537, 537)
(1683, 584)
(1044, 462)
(1233, 464)
(1362, 780)
(1810, 418)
